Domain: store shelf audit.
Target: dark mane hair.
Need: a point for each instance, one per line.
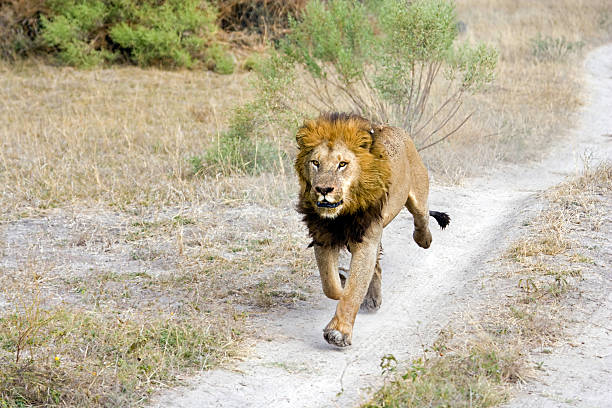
(339, 231)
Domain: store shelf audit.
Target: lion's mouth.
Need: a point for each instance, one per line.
(327, 204)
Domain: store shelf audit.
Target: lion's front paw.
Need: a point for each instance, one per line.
(422, 237)
(337, 333)
(334, 337)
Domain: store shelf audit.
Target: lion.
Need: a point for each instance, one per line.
(355, 177)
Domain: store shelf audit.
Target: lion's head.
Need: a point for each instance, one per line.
(343, 171)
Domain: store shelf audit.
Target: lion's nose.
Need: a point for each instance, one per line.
(324, 190)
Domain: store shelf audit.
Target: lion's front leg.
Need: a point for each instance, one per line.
(339, 330)
(327, 261)
(373, 297)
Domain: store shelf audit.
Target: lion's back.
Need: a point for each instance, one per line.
(397, 142)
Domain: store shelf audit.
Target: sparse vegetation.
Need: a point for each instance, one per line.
(554, 49)
(154, 313)
(471, 376)
(86, 358)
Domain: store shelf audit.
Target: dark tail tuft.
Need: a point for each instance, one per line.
(442, 218)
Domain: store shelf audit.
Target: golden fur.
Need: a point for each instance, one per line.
(354, 178)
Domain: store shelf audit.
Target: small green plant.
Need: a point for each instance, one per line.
(24, 324)
(546, 48)
(472, 377)
(219, 60)
(243, 149)
(388, 364)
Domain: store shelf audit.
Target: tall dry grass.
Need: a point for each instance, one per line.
(118, 137)
(534, 100)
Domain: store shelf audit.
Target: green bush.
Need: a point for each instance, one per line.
(70, 32)
(173, 33)
(335, 34)
(392, 61)
(255, 140)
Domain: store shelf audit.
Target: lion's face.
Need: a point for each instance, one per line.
(342, 167)
(332, 169)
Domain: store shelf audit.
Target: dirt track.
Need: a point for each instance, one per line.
(292, 366)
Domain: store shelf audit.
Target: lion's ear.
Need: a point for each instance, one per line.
(368, 141)
(303, 132)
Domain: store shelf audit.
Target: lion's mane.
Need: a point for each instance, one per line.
(368, 193)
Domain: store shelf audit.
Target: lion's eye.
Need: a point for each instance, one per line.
(342, 164)
(315, 163)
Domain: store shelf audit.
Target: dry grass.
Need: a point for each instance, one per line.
(119, 138)
(479, 356)
(533, 99)
(104, 218)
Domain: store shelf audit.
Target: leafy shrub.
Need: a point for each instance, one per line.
(255, 140)
(71, 32)
(174, 33)
(392, 61)
(219, 60)
(553, 49)
(170, 33)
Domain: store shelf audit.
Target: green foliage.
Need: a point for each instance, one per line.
(174, 33)
(473, 67)
(553, 49)
(252, 144)
(70, 30)
(381, 59)
(333, 32)
(419, 31)
(219, 60)
(168, 34)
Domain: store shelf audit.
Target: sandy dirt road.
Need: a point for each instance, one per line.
(292, 366)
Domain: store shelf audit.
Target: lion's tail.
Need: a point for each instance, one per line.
(442, 218)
